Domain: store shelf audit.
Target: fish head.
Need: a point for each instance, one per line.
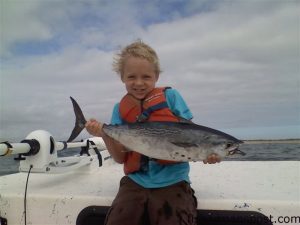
(213, 141)
(232, 148)
(225, 147)
(235, 151)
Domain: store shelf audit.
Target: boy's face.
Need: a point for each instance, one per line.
(139, 77)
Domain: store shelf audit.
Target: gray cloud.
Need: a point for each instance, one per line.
(235, 63)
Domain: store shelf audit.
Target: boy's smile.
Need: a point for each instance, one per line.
(139, 77)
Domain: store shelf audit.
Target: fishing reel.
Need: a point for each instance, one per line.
(42, 152)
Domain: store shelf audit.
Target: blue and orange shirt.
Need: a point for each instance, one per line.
(157, 174)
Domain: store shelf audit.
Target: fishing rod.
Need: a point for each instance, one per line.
(31, 147)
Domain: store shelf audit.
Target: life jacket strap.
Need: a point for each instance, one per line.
(146, 113)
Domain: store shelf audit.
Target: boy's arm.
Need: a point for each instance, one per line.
(116, 150)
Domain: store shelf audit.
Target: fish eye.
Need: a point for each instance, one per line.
(228, 144)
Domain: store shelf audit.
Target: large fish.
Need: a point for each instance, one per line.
(183, 141)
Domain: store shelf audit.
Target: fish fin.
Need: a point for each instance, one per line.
(184, 144)
(79, 122)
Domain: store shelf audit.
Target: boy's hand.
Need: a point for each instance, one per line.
(212, 158)
(94, 127)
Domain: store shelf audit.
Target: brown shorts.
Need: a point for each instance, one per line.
(135, 205)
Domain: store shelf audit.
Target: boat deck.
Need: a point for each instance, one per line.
(270, 188)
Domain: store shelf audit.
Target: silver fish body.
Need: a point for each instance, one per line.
(183, 141)
(173, 141)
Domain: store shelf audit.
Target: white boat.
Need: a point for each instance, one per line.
(75, 190)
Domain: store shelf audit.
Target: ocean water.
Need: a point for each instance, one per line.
(254, 152)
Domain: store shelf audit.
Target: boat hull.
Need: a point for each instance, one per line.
(253, 189)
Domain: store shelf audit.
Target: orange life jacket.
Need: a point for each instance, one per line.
(153, 108)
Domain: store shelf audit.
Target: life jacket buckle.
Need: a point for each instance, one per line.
(142, 118)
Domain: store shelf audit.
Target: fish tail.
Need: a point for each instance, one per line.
(79, 122)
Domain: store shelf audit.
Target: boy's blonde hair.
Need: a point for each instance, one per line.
(136, 49)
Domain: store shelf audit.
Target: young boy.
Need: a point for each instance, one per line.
(153, 191)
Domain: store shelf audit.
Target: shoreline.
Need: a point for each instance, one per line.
(272, 141)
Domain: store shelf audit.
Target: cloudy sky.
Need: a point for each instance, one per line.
(235, 62)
